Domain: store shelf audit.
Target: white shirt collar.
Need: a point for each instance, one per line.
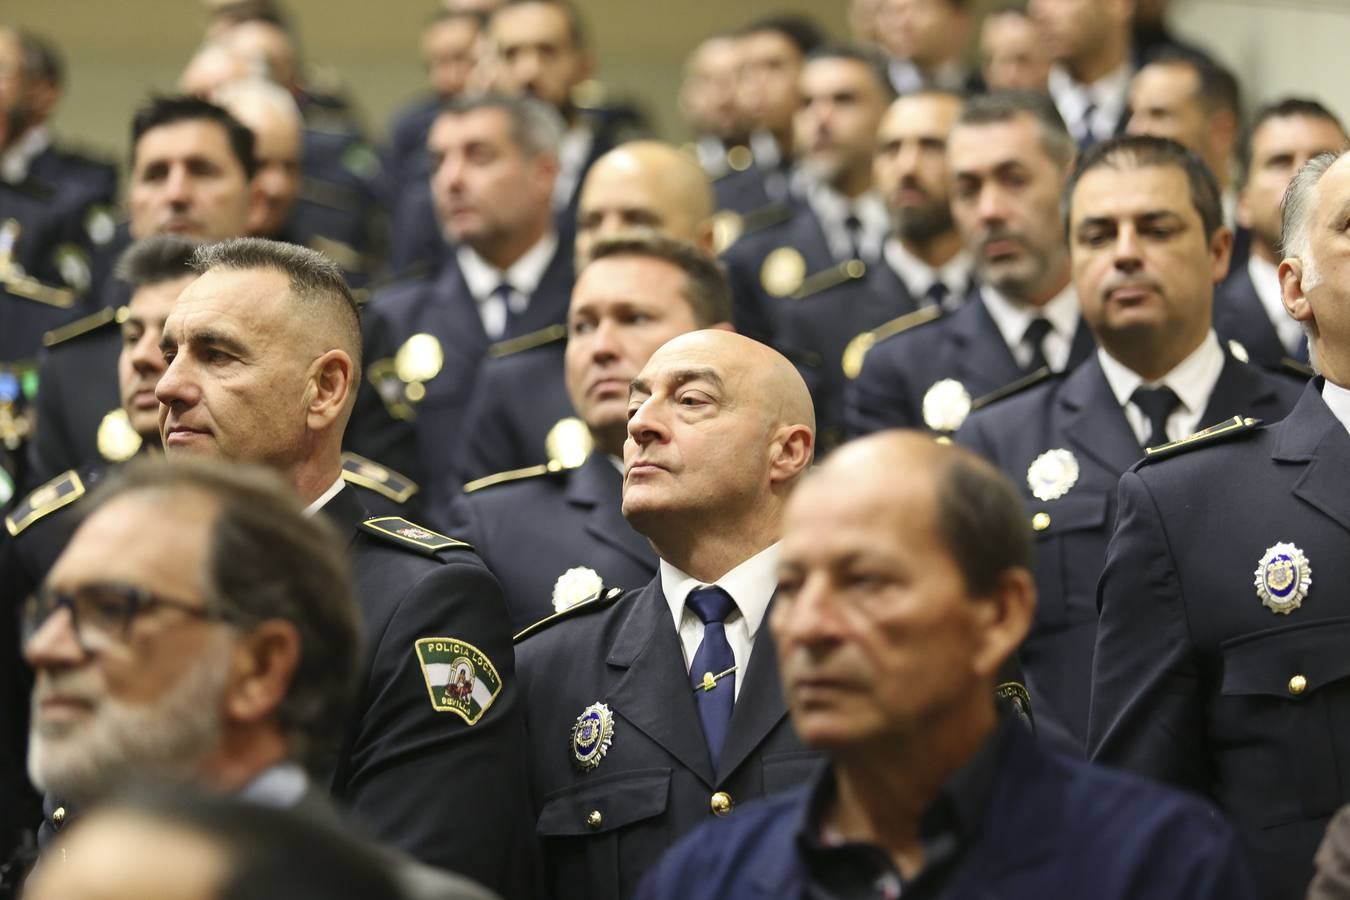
(765, 149)
(524, 274)
(1192, 379)
(751, 585)
(15, 162)
(1338, 399)
(1012, 318)
(279, 786)
(1266, 281)
(832, 208)
(323, 498)
(906, 77)
(573, 151)
(918, 276)
(1109, 94)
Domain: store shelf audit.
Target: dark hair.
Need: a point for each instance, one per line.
(161, 110)
(267, 560)
(41, 59)
(1005, 106)
(803, 32)
(270, 852)
(1285, 108)
(313, 278)
(1139, 151)
(575, 25)
(1216, 86)
(155, 260)
(241, 11)
(536, 127)
(981, 520)
(705, 286)
(873, 62)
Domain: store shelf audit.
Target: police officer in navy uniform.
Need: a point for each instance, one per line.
(1220, 661)
(653, 710)
(1008, 157)
(510, 275)
(192, 165)
(520, 393)
(637, 292)
(837, 215)
(707, 102)
(1284, 135)
(1147, 242)
(263, 355)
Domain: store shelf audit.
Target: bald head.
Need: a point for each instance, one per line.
(215, 65)
(645, 184)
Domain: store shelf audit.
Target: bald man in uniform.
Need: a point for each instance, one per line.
(520, 395)
(668, 697)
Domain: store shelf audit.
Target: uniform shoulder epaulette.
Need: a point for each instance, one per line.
(86, 325)
(382, 480)
(1224, 431)
(765, 217)
(1297, 367)
(62, 490)
(542, 337)
(397, 530)
(834, 276)
(601, 599)
(1044, 373)
(858, 347)
(29, 288)
(552, 467)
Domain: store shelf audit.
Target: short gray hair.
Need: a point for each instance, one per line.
(155, 260)
(536, 127)
(1297, 206)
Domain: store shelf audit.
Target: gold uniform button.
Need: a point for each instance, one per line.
(595, 820)
(1040, 521)
(59, 815)
(1297, 685)
(721, 803)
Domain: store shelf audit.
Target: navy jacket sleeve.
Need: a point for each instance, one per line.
(879, 397)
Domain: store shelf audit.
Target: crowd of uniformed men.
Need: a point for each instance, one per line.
(566, 547)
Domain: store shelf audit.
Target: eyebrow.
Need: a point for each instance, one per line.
(678, 377)
(208, 336)
(1152, 215)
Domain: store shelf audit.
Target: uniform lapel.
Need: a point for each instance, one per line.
(548, 303)
(598, 487)
(1094, 421)
(1311, 435)
(983, 359)
(464, 326)
(653, 691)
(759, 708)
(346, 512)
(1240, 391)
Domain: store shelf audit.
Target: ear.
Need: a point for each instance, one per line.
(1220, 253)
(794, 446)
(1003, 620)
(721, 326)
(330, 384)
(1292, 290)
(705, 238)
(262, 668)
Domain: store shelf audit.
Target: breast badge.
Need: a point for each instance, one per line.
(575, 585)
(460, 679)
(783, 272)
(568, 442)
(1051, 474)
(419, 359)
(592, 735)
(1283, 577)
(117, 440)
(946, 405)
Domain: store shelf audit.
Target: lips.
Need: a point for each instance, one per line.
(641, 467)
(144, 398)
(179, 435)
(608, 385)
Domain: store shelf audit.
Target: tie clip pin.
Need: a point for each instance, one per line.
(710, 680)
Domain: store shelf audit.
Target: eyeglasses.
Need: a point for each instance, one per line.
(101, 612)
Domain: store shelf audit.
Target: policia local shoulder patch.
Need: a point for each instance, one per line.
(460, 678)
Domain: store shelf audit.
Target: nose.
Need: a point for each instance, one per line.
(990, 205)
(604, 341)
(907, 159)
(54, 643)
(647, 424)
(526, 68)
(810, 617)
(178, 186)
(175, 387)
(146, 357)
(1126, 249)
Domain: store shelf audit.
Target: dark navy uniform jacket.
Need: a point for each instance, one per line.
(965, 346)
(530, 531)
(423, 444)
(1054, 827)
(1195, 681)
(515, 401)
(1240, 316)
(425, 781)
(757, 312)
(1080, 414)
(656, 782)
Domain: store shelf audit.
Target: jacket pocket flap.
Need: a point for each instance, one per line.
(604, 804)
(1291, 662)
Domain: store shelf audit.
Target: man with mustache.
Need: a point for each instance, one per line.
(651, 710)
(1008, 157)
(1148, 245)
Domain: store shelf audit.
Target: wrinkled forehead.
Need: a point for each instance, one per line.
(247, 302)
(683, 360)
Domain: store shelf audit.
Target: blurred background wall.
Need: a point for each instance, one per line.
(118, 50)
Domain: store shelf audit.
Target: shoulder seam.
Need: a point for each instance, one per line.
(548, 468)
(598, 600)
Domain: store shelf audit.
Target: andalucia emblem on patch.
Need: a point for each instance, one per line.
(460, 679)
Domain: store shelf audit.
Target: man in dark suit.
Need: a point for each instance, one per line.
(905, 583)
(510, 276)
(1248, 309)
(1147, 242)
(263, 354)
(667, 697)
(636, 293)
(1219, 663)
(708, 106)
(925, 42)
(139, 647)
(1089, 41)
(1008, 158)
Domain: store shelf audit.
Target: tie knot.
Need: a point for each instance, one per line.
(503, 290)
(710, 604)
(937, 293)
(1155, 402)
(1036, 331)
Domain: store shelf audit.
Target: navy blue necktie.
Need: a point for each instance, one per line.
(713, 672)
(1157, 404)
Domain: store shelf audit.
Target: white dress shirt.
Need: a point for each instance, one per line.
(1108, 97)
(918, 276)
(1338, 398)
(1192, 380)
(1012, 320)
(832, 208)
(751, 585)
(15, 161)
(323, 498)
(1266, 280)
(523, 276)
